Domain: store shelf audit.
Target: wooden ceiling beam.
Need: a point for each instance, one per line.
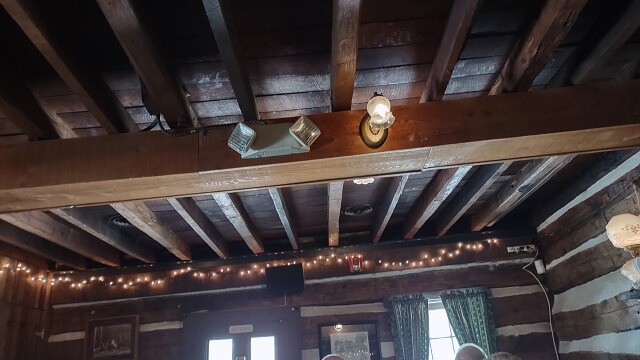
(344, 51)
(166, 95)
(432, 197)
(88, 85)
(26, 241)
(225, 33)
(280, 204)
(334, 199)
(527, 125)
(477, 184)
(140, 216)
(232, 207)
(532, 176)
(46, 227)
(200, 223)
(533, 51)
(458, 24)
(101, 229)
(388, 206)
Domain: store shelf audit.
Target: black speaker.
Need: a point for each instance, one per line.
(289, 279)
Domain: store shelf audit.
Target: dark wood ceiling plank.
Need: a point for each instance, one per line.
(450, 48)
(432, 197)
(101, 229)
(530, 178)
(26, 241)
(280, 204)
(534, 50)
(166, 95)
(85, 83)
(235, 212)
(344, 50)
(436, 134)
(477, 184)
(223, 27)
(200, 223)
(334, 199)
(46, 227)
(140, 216)
(388, 206)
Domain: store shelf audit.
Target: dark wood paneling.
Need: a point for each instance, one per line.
(585, 355)
(534, 346)
(520, 309)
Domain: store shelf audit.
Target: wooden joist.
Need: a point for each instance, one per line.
(477, 184)
(88, 85)
(532, 176)
(432, 197)
(200, 223)
(223, 27)
(233, 209)
(533, 51)
(344, 50)
(458, 25)
(388, 206)
(101, 229)
(140, 216)
(34, 244)
(151, 165)
(280, 204)
(166, 95)
(46, 227)
(334, 199)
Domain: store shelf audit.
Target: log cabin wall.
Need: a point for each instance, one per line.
(583, 270)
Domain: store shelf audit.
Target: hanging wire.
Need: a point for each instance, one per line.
(190, 131)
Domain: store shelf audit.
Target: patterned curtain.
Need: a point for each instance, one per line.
(409, 319)
(471, 318)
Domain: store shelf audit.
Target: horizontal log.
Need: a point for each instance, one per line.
(61, 173)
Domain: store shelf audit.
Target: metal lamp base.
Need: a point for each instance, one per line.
(370, 139)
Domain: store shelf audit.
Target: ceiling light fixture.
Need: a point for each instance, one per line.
(374, 127)
(363, 181)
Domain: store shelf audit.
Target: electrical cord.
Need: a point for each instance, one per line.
(190, 131)
(546, 295)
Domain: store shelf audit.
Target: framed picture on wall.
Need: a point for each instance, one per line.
(112, 339)
(352, 341)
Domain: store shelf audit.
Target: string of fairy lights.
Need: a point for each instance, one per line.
(420, 260)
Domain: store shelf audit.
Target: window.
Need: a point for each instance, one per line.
(442, 342)
(221, 349)
(263, 348)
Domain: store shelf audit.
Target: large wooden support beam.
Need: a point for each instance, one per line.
(388, 206)
(101, 229)
(458, 25)
(532, 176)
(533, 51)
(46, 227)
(344, 50)
(24, 240)
(140, 216)
(151, 165)
(280, 204)
(224, 30)
(432, 197)
(165, 93)
(232, 207)
(88, 85)
(334, 195)
(200, 223)
(477, 184)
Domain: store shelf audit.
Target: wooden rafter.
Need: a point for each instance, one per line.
(88, 85)
(388, 206)
(140, 216)
(436, 134)
(334, 199)
(200, 223)
(280, 204)
(458, 25)
(222, 24)
(44, 226)
(344, 50)
(534, 174)
(165, 93)
(432, 197)
(232, 207)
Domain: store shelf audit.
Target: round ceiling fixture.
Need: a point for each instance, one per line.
(357, 210)
(119, 220)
